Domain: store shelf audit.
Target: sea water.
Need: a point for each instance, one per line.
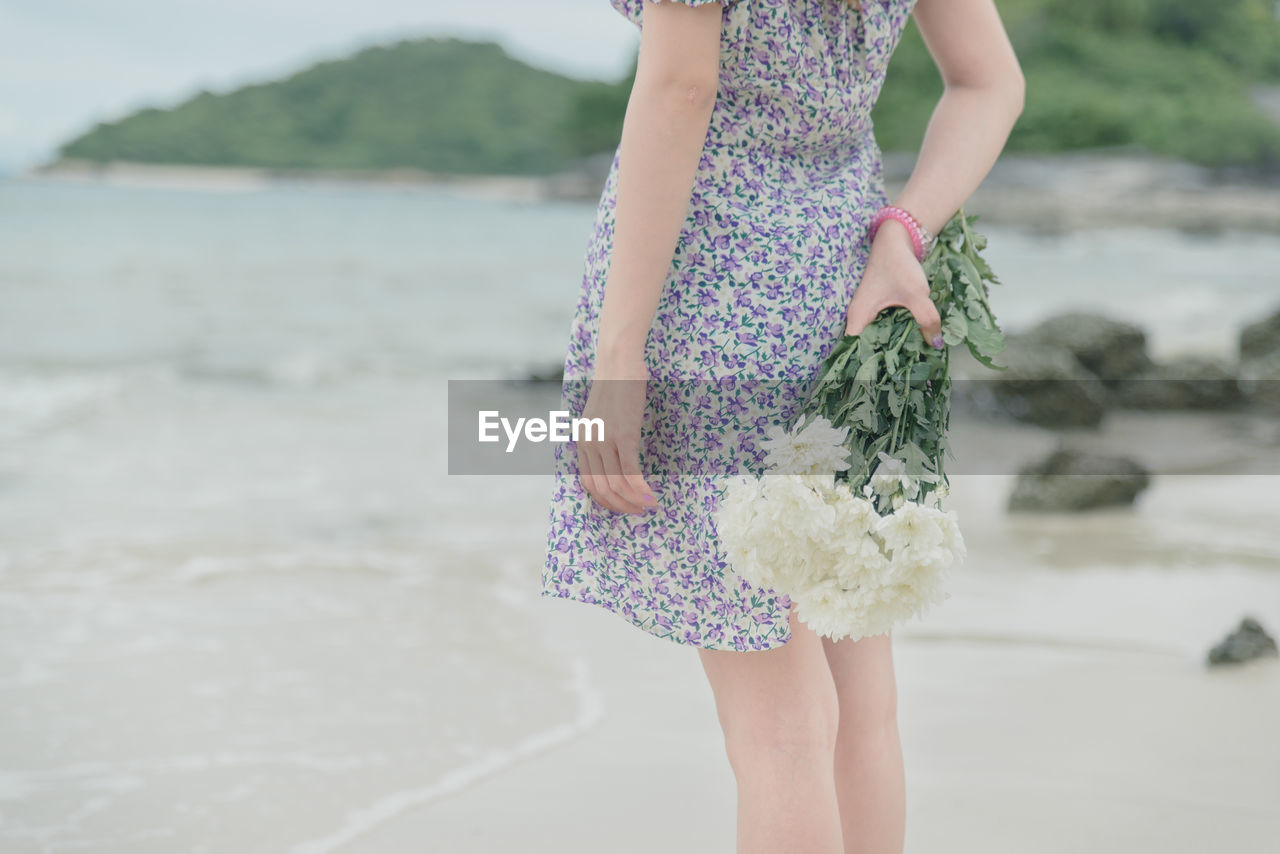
(242, 605)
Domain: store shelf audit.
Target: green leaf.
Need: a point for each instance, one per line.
(868, 370)
(954, 328)
(887, 386)
(968, 271)
(983, 358)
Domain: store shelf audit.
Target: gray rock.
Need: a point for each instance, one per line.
(1184, 382)
(1069, 480)
(1043, 384)
(1247, 642)
(1111, 349)
(1260, 339)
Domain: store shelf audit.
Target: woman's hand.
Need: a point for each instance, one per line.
(609, 467)
(893, 276)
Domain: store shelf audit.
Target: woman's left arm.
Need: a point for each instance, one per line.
(983, 97)
(663, 133)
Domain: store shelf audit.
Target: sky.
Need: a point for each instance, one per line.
(67, 64)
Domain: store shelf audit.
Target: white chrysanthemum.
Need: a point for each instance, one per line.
(822, 484)
(860, 561)
(737, 519)
(830, 610)
(815, 448)
(854, 515)
(891, 478)
(737, 505)
(951, 537)
(851, 572)
(768, 527)
(916, 565)
(911, 525)
(794, 506)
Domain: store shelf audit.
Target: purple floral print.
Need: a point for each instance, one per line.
(771, 250)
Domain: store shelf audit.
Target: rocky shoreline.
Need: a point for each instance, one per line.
(1070, 369)
(1086, 418)
(1049, 193)
(1077, 190)
(582, 184)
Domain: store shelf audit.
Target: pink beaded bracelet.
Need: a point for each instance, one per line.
(921, 239)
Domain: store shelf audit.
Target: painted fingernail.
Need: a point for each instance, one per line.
(650, 500)
(936, 341)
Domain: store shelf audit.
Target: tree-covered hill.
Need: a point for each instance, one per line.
(1171, 77)
(442, 105)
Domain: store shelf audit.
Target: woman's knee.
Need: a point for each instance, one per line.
(784, 729)
(868, 718)
(766, 746)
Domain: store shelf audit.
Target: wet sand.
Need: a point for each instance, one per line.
(1058, 702)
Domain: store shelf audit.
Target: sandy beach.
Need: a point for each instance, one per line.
(1056, 703)
(243, 607)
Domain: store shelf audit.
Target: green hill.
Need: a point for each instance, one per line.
(442, 105)
(1167, 76)
(1171, 77)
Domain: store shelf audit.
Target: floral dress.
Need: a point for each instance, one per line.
(770, 252)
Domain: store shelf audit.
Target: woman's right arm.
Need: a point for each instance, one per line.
(666, 123)
(983, 95)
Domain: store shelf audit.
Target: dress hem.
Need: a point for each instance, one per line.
(664, 634)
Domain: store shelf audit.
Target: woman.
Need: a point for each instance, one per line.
(731, 241)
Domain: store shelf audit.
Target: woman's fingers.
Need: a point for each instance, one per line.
(922, 310)
(629, 459)
(601, 472)
(593, 479)
(926, 315)
(622, 492)
(587, 474)
(859, 315)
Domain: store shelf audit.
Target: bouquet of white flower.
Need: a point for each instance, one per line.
(846, 520)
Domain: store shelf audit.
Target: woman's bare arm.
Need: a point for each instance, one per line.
(983, 97)
(662, 137)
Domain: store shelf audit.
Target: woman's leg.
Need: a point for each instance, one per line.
(870, 782)
(777, 708)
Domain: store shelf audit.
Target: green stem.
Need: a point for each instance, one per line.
(964, 228)
(898, 425)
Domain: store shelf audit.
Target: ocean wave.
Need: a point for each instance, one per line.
(335, 703)
(590, 709)
(32, 401)
(94, 565)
